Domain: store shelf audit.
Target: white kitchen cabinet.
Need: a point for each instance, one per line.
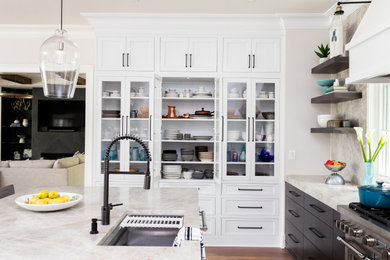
(117, 98)
(188, 54)
(125, 54)
(251, 55)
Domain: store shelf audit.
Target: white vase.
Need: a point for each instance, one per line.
(323, 59)
(25, 122)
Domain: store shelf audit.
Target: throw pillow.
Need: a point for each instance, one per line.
(68, 162)
(32, 164)
(4, 164)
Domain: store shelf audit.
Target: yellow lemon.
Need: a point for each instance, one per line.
(53, 194)
(66, 198)
(41, 201)
(33, 200)
(55, 201)
(43, 194)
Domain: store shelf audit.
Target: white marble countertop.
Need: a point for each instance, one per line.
(65, 234)
(331, 195)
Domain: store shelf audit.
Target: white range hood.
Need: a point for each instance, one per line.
(369, 49)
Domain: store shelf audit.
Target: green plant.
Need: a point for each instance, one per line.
(324, 51)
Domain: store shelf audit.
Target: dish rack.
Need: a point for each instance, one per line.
(152, 221)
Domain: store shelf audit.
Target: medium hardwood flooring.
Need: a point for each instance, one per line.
(246, 253)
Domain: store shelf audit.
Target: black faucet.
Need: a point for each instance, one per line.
(107, 207)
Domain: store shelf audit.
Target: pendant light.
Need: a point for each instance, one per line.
(336, 33)
(59, 64)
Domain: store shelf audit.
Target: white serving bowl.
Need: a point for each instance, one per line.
(233, 135)
(187, 175)
(75, 199)
(323, 119)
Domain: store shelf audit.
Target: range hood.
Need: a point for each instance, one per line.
(369, 55)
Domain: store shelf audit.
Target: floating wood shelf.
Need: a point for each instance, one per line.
(336, 97)
(332, 66)
(338, 130)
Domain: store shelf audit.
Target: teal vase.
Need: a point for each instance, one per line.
(368, 174)
(243, 154)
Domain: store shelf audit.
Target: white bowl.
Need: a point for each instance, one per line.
(243, 135)
(259, 137)
(323, 119)
(233, 135)
(187, 175)
(75, 199)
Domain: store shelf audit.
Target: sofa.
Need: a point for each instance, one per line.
(40, 173)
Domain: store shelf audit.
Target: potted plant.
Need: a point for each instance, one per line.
(323, 53)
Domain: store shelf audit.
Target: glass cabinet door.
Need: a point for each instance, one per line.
(264, 127)
(139, 110)
(112, 120)
(236, 127)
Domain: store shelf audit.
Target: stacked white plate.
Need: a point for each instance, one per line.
(206, 156)
(171, 134)
(171, 171)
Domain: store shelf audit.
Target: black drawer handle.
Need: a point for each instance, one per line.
(292, 212)
(318, 209)
(245, 207)
(293, 238)
(296, 195)
(249, 227)
(316, 232)
(240, 189)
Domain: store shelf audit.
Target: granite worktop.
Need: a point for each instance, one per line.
(65, 234)
(331, 195)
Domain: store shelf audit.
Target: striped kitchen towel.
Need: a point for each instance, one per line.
(190, 233)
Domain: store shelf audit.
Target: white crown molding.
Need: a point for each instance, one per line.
(305, 21)
(45, 31)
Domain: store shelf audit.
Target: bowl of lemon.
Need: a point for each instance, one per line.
(48, 200)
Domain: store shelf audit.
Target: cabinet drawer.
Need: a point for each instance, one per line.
(211, 231)
(250, 189)
(312, 253)
(294, 239)
(320, 234)
(208, 205)
(250, 207)
(319, 209)
(234, 227)
(294, 213)
(204, 189)
(295, 194)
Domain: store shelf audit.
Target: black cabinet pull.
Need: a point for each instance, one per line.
(254, 57)
(296, 195)
(292, 212)
(186, 57)
(245, 207)
(128, 60)
(249, 61)
(123, 59)
(316, 208)
(249, 227)
(240, 189)
(316, 232)
(293, 238)
(190, 60)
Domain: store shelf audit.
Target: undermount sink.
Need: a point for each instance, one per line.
(144, 230)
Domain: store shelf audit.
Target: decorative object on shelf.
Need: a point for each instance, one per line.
(142, 155)
(171, 112)
(271, 94)
(59, 64)
(16, 123)
(233, 93)
(262, 94)
(27, 153)
(322, 120)
(268, 115)
(133, 113)
(21, 139)
(325, 84)
(244, 93)
(369, 171)
(20, 104)
(115, 93)
(135, 154)
(234, 157)
(242, 110)
(243, 154)
(266, 154)
(16, 155)
(335, 167)
(336, 33)
(25, 122)
(323, 53)
(333, 123)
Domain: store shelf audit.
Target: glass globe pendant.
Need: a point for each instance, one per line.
(59, 65)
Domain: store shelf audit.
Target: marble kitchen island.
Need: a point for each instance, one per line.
(65, 234)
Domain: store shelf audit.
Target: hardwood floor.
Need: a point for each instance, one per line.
(246, 253)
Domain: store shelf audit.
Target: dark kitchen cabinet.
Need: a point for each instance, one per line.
(310, 230)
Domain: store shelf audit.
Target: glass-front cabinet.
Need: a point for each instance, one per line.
(125, 105)
(250, 128)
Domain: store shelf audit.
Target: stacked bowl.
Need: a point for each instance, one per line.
(187, 154)
(171, 171)
(206, 156)
(169, 155)
(171, 134)
(199, 149)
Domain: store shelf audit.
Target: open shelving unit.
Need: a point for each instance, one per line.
(332, 66)
(337, 130)
(336, 97)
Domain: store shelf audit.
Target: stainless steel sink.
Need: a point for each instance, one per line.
(144, 230)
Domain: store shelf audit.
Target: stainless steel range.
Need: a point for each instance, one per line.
(367, 232)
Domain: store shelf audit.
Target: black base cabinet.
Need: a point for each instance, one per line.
(310, 228)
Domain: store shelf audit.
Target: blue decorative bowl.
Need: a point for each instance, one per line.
(326, 82)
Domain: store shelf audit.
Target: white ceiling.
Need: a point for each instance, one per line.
(48, 11)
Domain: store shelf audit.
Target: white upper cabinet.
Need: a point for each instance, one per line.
(251, 55)
(266, 55)
(188, 54)
(125, 53)
(174, 56)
